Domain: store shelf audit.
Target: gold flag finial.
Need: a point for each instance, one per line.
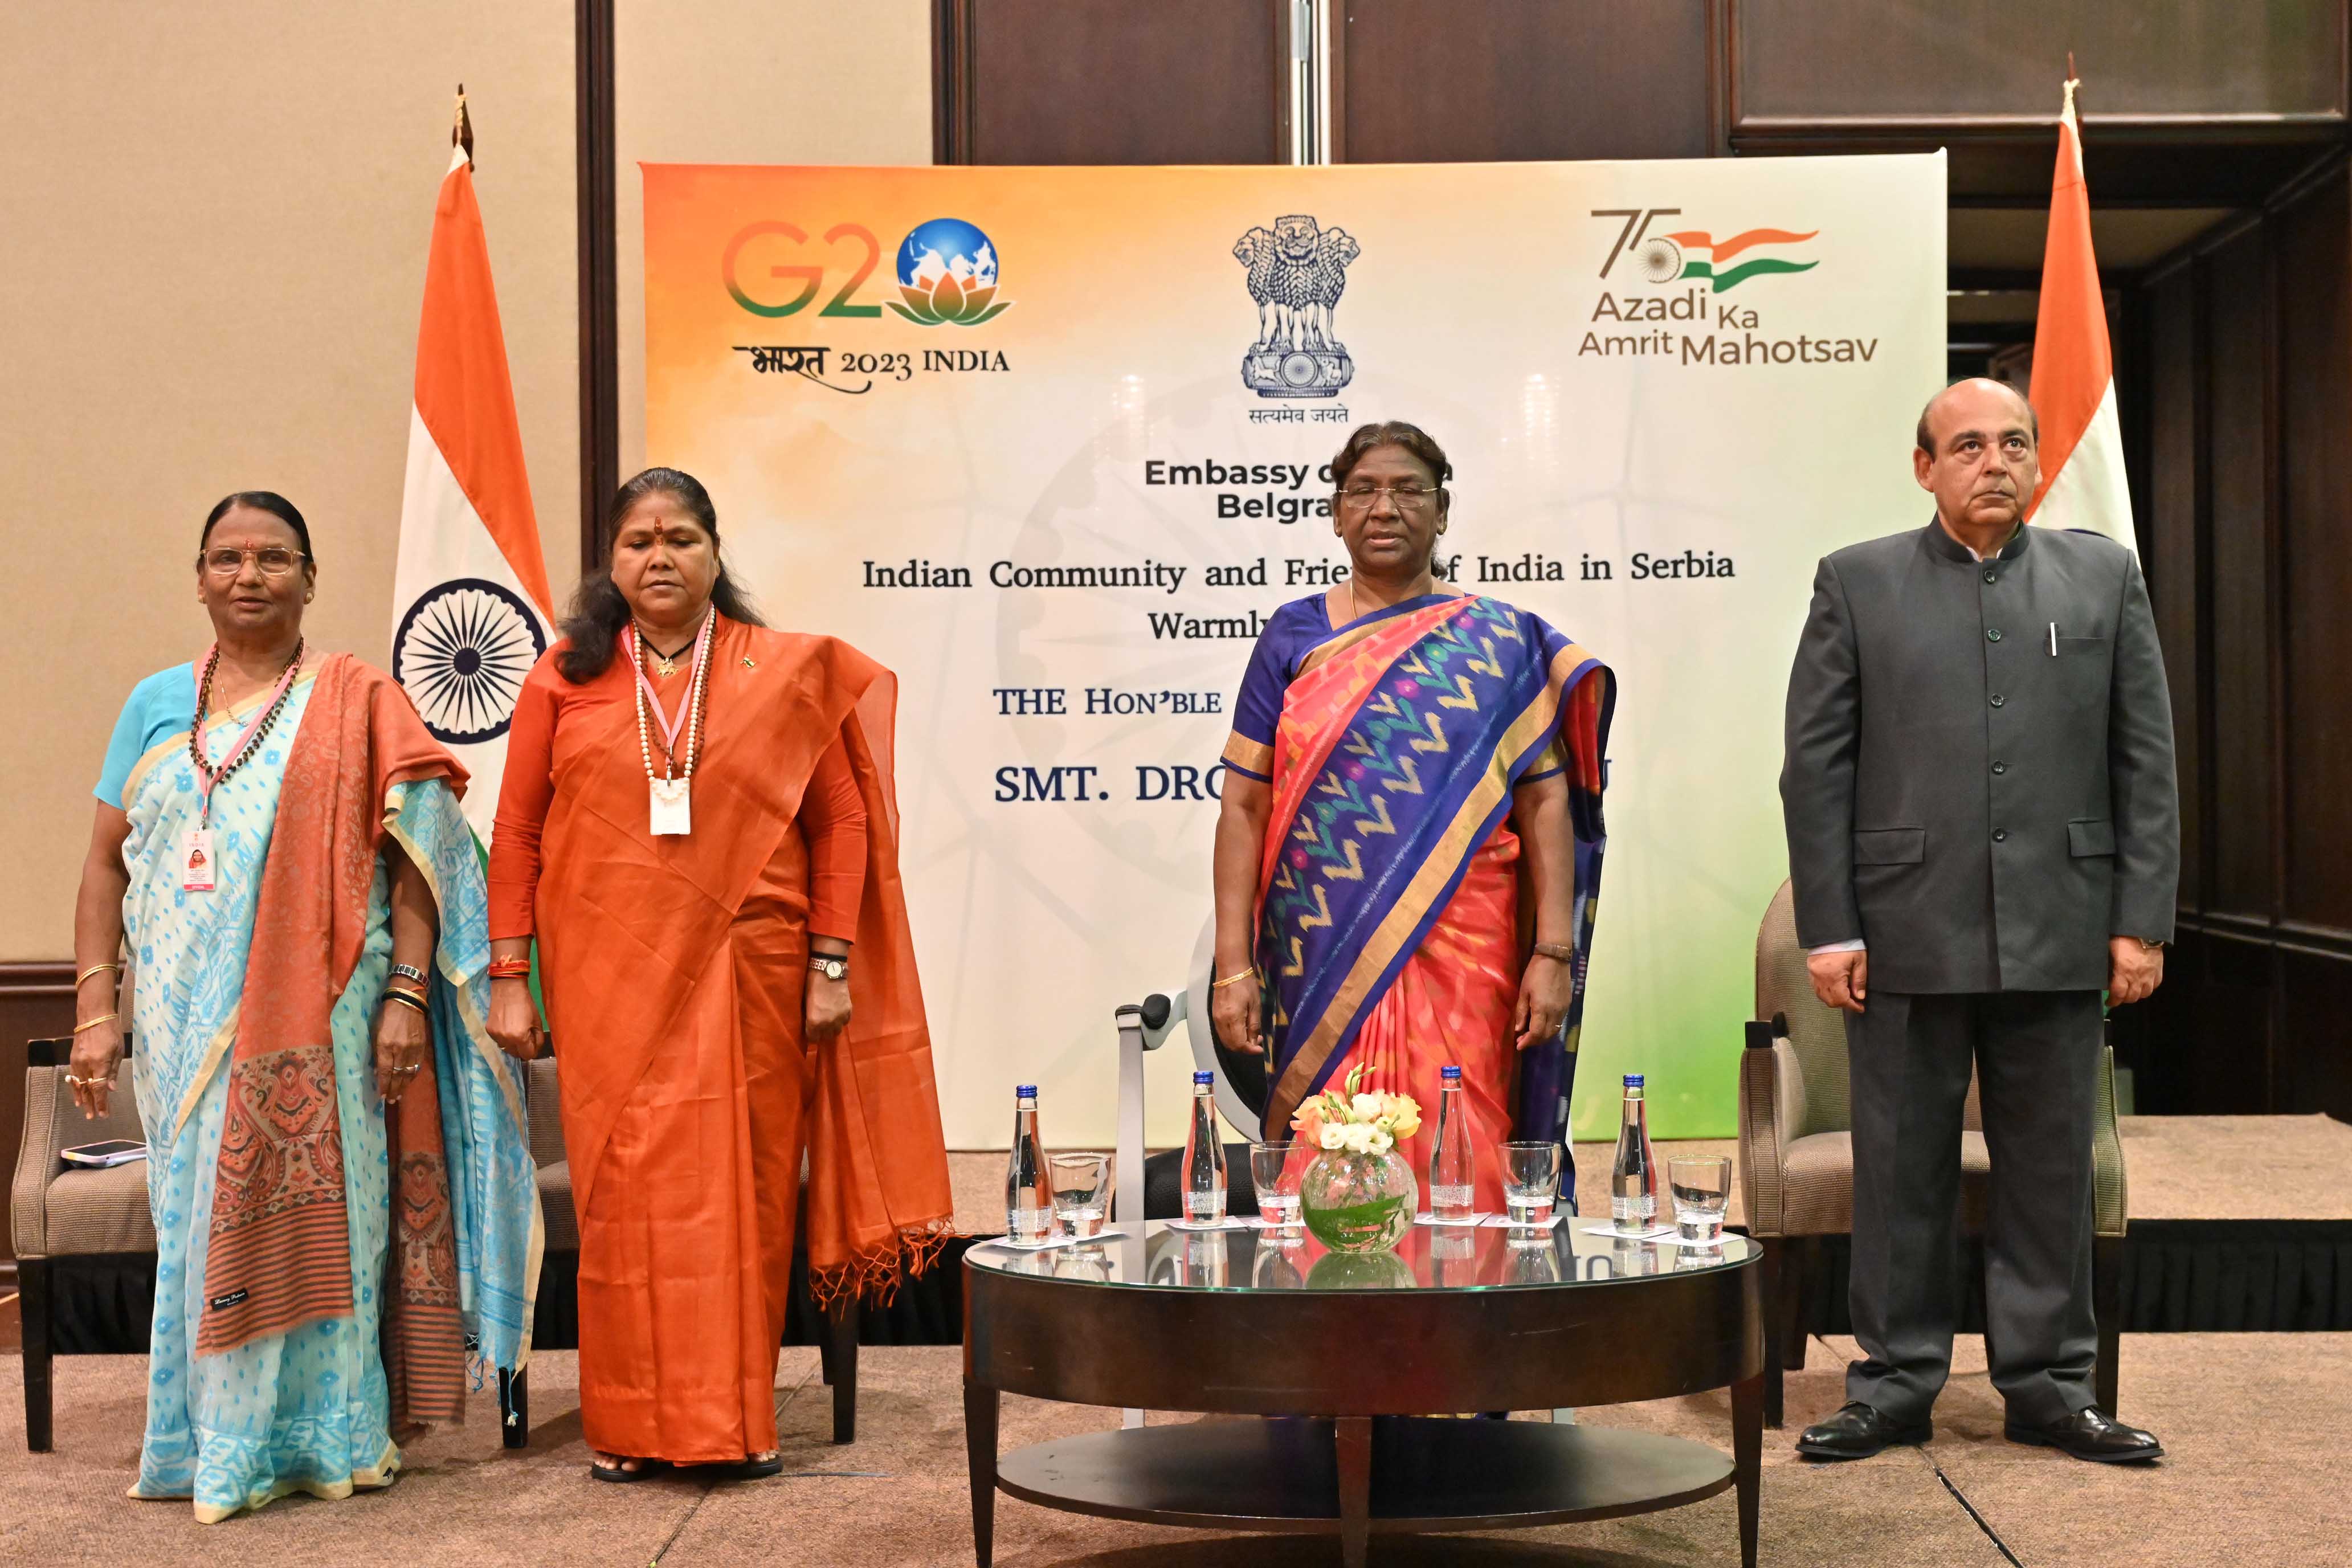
(462, 133)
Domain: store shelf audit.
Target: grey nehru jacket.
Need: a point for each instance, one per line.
(1982, 812)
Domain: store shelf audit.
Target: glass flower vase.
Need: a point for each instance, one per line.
(1359, 1203)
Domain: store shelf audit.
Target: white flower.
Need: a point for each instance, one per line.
(1382, 1142)
(1332, 1135)
(1358, 1137)
(1366, 1106)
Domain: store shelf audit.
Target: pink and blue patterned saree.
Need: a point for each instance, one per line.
(1391, 927)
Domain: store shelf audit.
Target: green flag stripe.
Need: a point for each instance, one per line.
(1744, 271)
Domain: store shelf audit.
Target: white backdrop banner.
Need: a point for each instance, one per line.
(1054, 443)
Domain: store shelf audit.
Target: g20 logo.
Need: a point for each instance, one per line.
(945, 268)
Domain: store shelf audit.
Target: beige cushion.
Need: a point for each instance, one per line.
(52, 1123)
(1817, 1184)
(542, 1106)
(100, 1211)
(556, 1202)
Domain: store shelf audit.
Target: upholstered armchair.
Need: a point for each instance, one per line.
(1796, 1158)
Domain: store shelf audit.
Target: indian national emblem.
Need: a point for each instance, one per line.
(1297, 274)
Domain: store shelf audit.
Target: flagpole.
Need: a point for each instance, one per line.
(461, 134)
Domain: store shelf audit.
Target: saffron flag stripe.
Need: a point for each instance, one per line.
(2083, 483)
(463, 392)
(1725, 249)
(471, 609)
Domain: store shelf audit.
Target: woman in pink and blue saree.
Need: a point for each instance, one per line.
(1410, 834)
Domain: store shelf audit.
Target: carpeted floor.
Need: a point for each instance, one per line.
(2241, 1486)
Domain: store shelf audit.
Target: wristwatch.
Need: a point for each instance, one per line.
(830, 966)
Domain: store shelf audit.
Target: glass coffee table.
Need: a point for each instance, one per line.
(1456, 1319)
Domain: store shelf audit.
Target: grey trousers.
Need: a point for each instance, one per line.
(2036, 1054)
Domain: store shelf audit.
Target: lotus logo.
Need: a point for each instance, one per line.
(947, 275)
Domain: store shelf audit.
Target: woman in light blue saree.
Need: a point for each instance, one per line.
(338, 1168)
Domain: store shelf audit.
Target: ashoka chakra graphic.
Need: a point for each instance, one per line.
(1299, 369)
(1661, 259)
(461, 652)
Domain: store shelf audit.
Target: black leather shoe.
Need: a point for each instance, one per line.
(1857, 1431)
(2090, 1434)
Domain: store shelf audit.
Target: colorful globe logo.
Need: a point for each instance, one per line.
(947, 274)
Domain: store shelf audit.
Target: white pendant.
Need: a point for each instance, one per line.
(672, 811)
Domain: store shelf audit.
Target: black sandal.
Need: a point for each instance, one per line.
(620, 1477)
(750, 1467)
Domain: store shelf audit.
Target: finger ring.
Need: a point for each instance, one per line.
(411, 1067)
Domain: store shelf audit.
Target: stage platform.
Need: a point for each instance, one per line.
(2243, 1217)
(2247, 1485)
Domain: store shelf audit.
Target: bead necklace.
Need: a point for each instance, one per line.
(247, 742)
(693, 710)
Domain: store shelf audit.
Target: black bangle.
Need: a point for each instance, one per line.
(407, 999)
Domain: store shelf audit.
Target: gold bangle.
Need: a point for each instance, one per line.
(94, 1022)
(1249, 974)
(95, 968)
(1553, 950)
(407, 999)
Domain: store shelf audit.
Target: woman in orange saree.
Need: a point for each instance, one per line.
(700, 829)
(1410, 834)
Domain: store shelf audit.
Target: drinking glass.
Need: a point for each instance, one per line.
(1276, 1266)
(1702, 1191)
(1081, 1192)
(1531, 1182)
(1271, 1172)
(1533, 1263)
(1088, 1264)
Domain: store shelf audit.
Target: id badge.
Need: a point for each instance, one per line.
(672, 812)
(196, 860)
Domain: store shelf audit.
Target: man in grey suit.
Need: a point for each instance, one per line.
(1983, 833)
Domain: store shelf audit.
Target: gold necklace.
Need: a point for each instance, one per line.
(1356, 611)
(665, 664)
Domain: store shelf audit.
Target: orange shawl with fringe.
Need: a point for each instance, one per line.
(673, 969)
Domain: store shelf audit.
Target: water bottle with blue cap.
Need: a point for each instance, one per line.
(1204, 1157)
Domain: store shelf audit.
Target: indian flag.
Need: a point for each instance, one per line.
(2073, 390)
(471, 610)
(1728, 262)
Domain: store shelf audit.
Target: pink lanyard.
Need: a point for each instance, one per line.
(670, 727)
(207, 774)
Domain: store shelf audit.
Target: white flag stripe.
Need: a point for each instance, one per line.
(443, 542)
(2091, 491)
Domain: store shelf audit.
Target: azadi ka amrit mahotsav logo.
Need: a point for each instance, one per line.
(1684, 254)
(947, 274)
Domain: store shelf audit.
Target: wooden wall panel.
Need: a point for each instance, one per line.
(1877, 60)
(1424, 81)
(2172, 484)
(1112, 81)
(2238, 353)
(2244, 380)
(2317, 1074)
(2314, 566)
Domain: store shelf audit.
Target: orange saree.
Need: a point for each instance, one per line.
(673, 969)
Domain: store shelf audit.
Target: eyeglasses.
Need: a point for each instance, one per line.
(1407, 495)
(274, 560)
